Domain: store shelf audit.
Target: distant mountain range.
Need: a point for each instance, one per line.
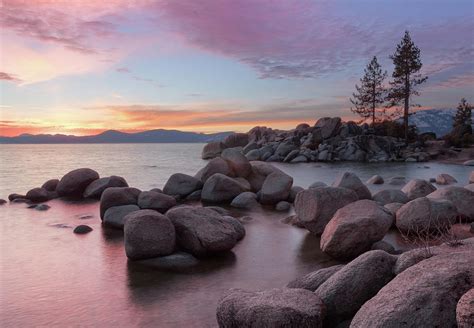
(112, 136)
(439, 121)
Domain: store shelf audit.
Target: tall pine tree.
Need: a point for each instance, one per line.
(463, 114)
(405, 77)
(371, 93)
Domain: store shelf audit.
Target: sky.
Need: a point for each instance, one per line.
(82, 67)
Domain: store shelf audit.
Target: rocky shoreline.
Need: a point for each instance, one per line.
(329, 140)
(184, 223)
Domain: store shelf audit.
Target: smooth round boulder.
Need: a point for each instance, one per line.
(275, 188)
(348, 289)
(445, 179)
(313, 280)
(202, 231)
(260, 171)
(423, 215)
(212, 150)
(376, 179)
(354, 228)
(221, 189)
(38, 195)
(351, 181)
(462, 198)
(75, 182)
(282, 206)
(114, 217)
(148, 234)
(246, 200)
(116, 196)
(216, 165)
(388, 196)
(50, 185)
(180, 184)
(315, 207)
(285, 307)
(465, 310)
(424, 295)
(417, 188)
(97, 187)
(82, 229)
(155, 201)
(238, 163)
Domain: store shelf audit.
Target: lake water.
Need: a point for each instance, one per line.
(52, 277)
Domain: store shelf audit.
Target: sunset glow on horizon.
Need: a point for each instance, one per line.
(83, 67)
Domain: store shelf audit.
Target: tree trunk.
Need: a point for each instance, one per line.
(373, 105)
(407, 107)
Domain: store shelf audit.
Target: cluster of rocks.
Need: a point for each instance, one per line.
(329, 139)
(376, 289)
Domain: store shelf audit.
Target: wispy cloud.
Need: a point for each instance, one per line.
(9, 77)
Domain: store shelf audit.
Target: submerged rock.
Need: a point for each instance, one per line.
(354, 228)
(75, 182)
(176, 262)
(315, 207)
(283, 206)
(148, 234)
(285, 307)
(82, 229)
(376, 179)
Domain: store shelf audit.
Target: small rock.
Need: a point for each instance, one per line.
(351, 181)
(3, 201)
(114, 217)
(396, 181)
(194, 196)
(388, 196)
(245, 200)
(445, 179)
(42, 207)
(376, 179)
(12, 197)
(38, 195)
(313, 280)
(469, 162)
(50, 185)
(82, 229)
(383, 246)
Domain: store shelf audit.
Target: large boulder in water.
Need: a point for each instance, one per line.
(148, 234)
(181, 185)
(216, 165)
(424, 295)
(285, 307)
(313, 280)
(356, 283)
(75, 182)
(260, 171)
(328, 126)
(389, 196)
(354, 228)
(465, 310)
(212, 150)
(462, 198)
(116, 196)
(417, 188)
(38, 195)
(238, 163)
(202, 231)
(155, 201)
(50, 185)
(221, 189)
(315, 207)
(351, 181)
(96, 188)
(114, 217)
(236, 140)
(423, 215)
(275, 188)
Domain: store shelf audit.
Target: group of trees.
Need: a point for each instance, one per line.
(373, 97)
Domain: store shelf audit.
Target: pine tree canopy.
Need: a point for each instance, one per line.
(463, 114)
(371, 92)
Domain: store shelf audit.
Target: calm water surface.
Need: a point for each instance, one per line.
(52, 277)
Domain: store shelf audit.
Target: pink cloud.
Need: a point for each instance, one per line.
(9, 77)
